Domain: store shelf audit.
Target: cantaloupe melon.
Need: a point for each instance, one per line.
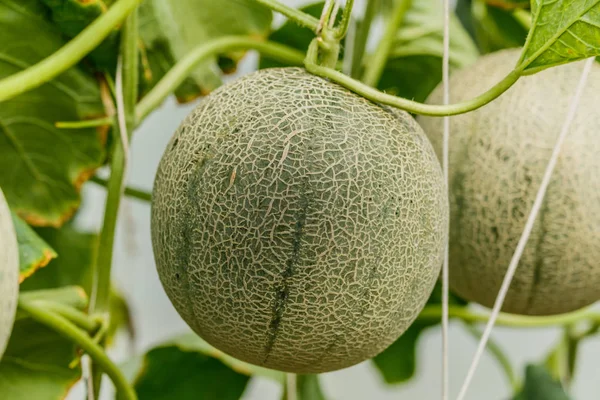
(9, 273)
(498, 155)
(296, 225)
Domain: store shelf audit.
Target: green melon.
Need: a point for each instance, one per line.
(9, 273)
(296, 225)
(498, 155)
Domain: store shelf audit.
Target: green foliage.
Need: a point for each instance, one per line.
(539, 385)
(414, 67)
(562, 31)
(34, 252)
(37, 364)
(170, 29)
(47, 165)
(189, 368)
(72, 16)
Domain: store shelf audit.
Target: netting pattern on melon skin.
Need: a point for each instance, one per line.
(9, 274)
(297, 225)
(498, 155)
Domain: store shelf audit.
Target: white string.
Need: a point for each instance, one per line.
(528, 227)
(446, 140)
(291, 383)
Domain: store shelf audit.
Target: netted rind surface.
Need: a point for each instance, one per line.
(498, 155)
(296, 225)
(9, 273)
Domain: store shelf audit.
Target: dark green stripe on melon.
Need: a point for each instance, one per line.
(297, 225)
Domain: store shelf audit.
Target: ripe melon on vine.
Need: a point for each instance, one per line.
(296, 225)
(9, 273)
(498, 155)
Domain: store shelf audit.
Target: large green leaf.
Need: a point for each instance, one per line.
(189, 368)
(562, 31)
(414, 67)
(397, 363)
(73, 16)
(34, 252)
(171, 28)
(539, 385)
(44, 167)
(295, 36)
(36, 364)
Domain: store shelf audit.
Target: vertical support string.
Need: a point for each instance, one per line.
(446, 140)
(528, 227)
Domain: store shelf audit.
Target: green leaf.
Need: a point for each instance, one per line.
(171, 28)
(189, 368)
(308, 388)
(414, 67)
(562, 31)
(73, 16)
(44, 166)
(496, 28)
(34, 252)
(397, 363)
(36, 364)
(295, 36)
(73, 267)
(539, 385)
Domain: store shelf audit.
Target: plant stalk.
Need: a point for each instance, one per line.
(293, 14)
(362, 36)
(66, 329)
(129, 191)
(68, 55)
(375, 67)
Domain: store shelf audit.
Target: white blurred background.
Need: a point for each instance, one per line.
(156, 320)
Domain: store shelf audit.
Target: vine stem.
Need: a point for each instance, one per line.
(71, 332)
(342, 29)
(68, 55)
(293, 14)
(434, 313)
(291, 385)
(528, 226)
(129, 191)
(362, 35)
(81, 319)
(181, 70)
(375, 67)
(412, 106)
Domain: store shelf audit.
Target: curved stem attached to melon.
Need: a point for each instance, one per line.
(66, 329)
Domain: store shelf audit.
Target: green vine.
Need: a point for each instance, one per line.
(65, 328)
(69, 55)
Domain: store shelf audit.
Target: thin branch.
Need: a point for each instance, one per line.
(293, 14)
(129, 191)
(376, 65)
(528, 227)
(291, 386)
(68, 55)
